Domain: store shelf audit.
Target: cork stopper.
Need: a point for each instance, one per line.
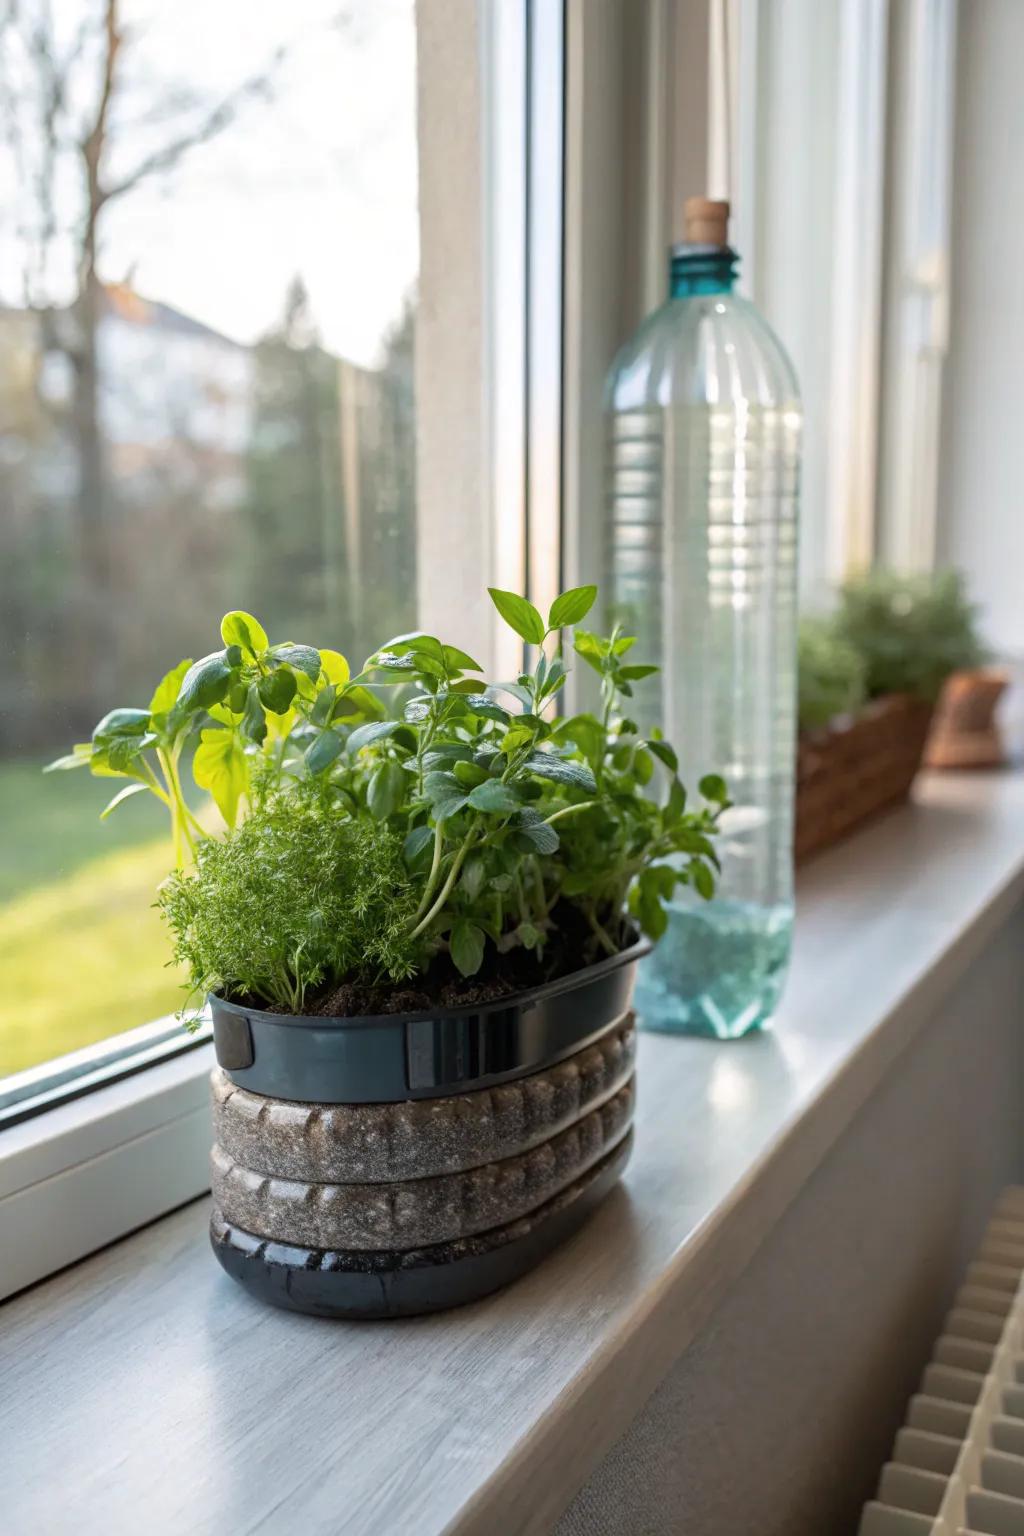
(705, 222)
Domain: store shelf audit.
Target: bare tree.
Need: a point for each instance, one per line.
(58, 101)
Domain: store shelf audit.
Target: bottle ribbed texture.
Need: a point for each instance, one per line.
(703, 481)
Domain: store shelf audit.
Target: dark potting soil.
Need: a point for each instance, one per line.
(571, 947)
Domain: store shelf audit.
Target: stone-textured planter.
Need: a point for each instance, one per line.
(965, 733)
(414, 1213)
(348, 1207)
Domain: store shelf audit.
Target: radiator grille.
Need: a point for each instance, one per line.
(957, 1466)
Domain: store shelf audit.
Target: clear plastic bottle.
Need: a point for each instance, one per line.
(704, 428)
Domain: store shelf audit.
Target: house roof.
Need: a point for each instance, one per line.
(132, 307)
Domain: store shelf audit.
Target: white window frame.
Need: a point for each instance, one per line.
(99, 1141)
(871, 494)
(923, 49)
(86, 1167)
(636, 145)
(98, 1166)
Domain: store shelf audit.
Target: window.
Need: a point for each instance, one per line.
(208, 291)
(264, 342)
(314, 320)
(840, 166)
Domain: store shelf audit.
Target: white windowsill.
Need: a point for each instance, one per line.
(143, 1385)
(87, 1171)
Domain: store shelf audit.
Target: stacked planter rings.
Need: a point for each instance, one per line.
(389, 1166)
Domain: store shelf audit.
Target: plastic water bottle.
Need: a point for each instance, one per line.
(704, 427)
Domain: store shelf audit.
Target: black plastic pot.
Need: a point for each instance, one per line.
(391, 1057)
(543, 1077)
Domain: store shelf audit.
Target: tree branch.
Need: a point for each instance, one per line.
(214, 123)
(95, 141)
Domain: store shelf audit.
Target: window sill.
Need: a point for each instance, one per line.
(168, 1390)
(89, 1170)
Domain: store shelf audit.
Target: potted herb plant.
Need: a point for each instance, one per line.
(869, 677)
(417, 934)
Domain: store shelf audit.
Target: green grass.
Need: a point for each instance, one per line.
(50, 823)
(83, 953)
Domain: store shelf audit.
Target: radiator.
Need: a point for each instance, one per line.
(957, 1467)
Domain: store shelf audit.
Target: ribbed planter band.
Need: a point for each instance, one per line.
(375, 1285)
(378, 1143)
(417, 1212)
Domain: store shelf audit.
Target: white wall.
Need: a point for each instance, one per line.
(780, 1414)
(981, 480)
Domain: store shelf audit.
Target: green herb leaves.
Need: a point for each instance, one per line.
(493, 795)
(547, 766)
(243, 630)
(457, 820)
(571, 607)
(165, 695)
(277, 690)
(206, 682)
(385, 790)
(219, 766)
(519, 614)
(467, 947)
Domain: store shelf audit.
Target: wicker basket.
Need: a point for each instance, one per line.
(853, 769)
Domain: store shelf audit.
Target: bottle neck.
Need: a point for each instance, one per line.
(701, 269)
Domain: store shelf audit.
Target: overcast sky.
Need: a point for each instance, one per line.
(322, 181)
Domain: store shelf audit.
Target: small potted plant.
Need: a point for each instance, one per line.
(418, 934)
(869, 677)
(965, 732)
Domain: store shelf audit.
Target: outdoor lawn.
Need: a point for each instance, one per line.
(82, 951)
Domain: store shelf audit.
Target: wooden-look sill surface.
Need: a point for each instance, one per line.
(141, 1390)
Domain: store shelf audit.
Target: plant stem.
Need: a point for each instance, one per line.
(432, 877)
(608, 703)
(446, 889)
(570, 810)
(180, 813)
(423, 741)
(186, 808)
(154, 783)
(520, 897)
(172, 801)
(538, 885)
(195, 822)
(602, 937)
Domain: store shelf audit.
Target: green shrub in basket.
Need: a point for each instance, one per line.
(910, 631)
(830, 673)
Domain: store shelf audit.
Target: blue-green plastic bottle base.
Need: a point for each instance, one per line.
(718, 970)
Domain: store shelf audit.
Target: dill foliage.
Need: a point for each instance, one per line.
(300, 893)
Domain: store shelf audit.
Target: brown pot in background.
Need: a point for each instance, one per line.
(857, 767)
(964, 732)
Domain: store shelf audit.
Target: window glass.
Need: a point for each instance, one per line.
(208, 267)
